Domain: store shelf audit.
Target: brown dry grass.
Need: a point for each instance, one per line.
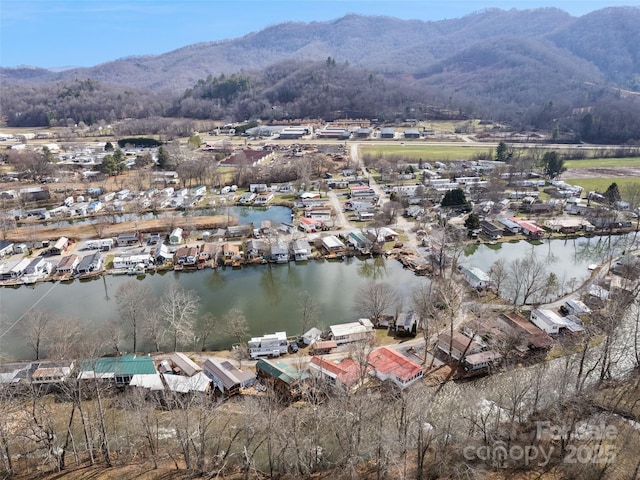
(38, 232)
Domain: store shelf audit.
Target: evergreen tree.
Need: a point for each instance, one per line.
(472, 222)
(553, 164)
(612, 195)
(503, 152)
(456, 198)
(163, 158)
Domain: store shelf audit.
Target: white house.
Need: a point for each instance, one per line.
(127, 261)
(476, 278)
(175, 238)
(352, 332)
(547, 320)
(332, 243)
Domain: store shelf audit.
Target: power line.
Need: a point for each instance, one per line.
(28, 310)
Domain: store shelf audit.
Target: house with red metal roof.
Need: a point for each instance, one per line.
(345, 374)
(530, 229)
(388, 364)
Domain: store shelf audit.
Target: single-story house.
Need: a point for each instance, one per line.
(60, 246)
(238, 231)
(128, 261)
(476, 278)
(301, 250)
(247, 198)
(530, 229)
(125, 239)
(120, 370)
(283, 377)
(365, 216)
(384, 234)
(90, 263)
(308, 225)
(162, 255)
(51, 372)
(344, 374)
(179, 383)
(256, 248)
(228, 379)
(352, 332)
(388, 364)
(319, 212)
(459, 346)
(510, 226)
(230, 250)
(207, 251)
(263, 198)
(68, 264)
(406, 321)
(15, 271)
(186, 256)
(175, 237)
(258, 187)
(359, 241)
(279, 252)
(492, 231)
(38, 266)
(332, 244)
(481, 360)
(311, 336)
(547, 320)
(412, 133)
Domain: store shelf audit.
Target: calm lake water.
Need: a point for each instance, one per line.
(267, 294)
(568, 259)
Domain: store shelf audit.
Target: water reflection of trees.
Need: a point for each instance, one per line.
(604, 248)
(271, 284)
(293, 276)
(217, 280)
(374, 268)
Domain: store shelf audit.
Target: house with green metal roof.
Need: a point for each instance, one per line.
(285, 378)
(118, 369)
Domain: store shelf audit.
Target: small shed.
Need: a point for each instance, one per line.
(311, 336)
(175, 237)
(60, 246)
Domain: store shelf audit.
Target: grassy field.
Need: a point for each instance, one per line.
(603, 163)
(426, 152)
(601, 184)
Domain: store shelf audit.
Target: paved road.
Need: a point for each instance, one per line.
(401, 223)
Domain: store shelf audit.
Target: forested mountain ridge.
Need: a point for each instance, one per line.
(607, 38)
(541, 69)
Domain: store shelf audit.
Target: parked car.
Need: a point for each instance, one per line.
(293, 347)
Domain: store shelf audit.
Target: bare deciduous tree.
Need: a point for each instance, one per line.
(35, 328)
(307, 310)
(179, 307)
(374, 298)
(134, 301)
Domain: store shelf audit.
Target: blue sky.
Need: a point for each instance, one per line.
(56, 33)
